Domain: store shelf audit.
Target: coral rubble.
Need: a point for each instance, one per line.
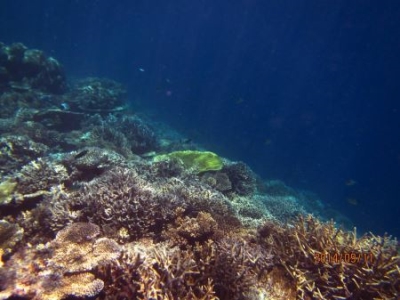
(92, 206)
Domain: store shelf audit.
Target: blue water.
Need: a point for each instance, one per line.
(303, 91)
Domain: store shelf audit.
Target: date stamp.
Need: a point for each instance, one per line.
(361, 258)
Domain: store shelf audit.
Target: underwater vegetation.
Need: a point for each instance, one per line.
(99, 201)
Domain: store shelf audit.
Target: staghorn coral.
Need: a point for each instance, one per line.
(324, 262)
(60, 268)
(228, 269)
(136, 203)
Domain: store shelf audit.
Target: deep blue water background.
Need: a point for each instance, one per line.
(303, 91)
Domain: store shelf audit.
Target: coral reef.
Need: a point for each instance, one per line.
(228, 269)
(218, 180)
(121, 199)
(242, 179)
(7, 188)
(40, 175)
(91, 206)
(10, 235)
(283, 208)
(126, 134)
(17, 150)
(325, 262)
(95, 95)
(23, 68)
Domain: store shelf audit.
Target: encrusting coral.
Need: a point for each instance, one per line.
(61, 267)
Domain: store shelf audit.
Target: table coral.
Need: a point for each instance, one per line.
(60, 268)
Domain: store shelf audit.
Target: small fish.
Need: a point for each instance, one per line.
(141, 70)
(350, 182)
(81, 154)
(64, 106)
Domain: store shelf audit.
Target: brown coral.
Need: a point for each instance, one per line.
(40, 175)
(325, 262)
(126, 201)
(228, 269)
(187, 230)
(60, 268)
(78, 285)
(10, 235)
(75, 248)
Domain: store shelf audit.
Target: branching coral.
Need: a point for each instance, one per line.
(325, 262)
(138, 204)
(228, 269)
(188, 230)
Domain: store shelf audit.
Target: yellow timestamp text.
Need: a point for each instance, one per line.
(327, 257)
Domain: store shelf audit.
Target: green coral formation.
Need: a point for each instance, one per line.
(7, 188)
(196, 161)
